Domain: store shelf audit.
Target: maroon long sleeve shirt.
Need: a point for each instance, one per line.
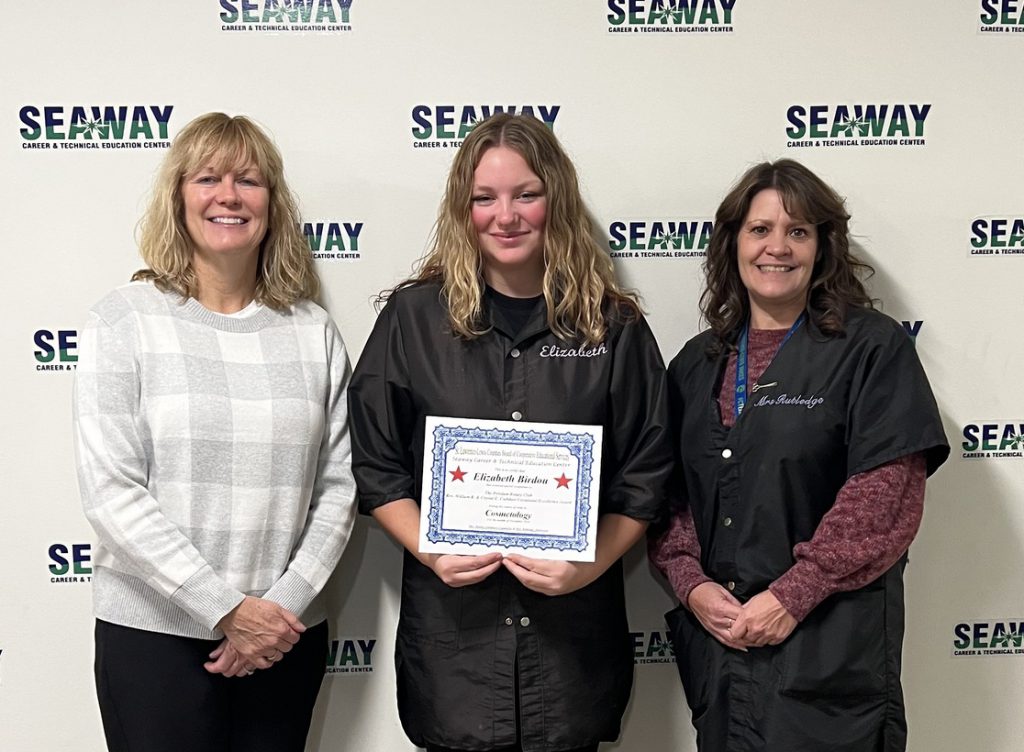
(871, 525)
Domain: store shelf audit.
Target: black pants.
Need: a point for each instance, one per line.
(155, 695)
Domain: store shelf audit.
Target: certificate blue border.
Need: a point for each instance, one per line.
(446, 438)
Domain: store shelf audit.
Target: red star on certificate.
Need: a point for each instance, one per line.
(458, 474)
(563, 482)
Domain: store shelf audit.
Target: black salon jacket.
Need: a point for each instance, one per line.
(828, 408)
(457, 648)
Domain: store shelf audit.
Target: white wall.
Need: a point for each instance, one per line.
(659, 124)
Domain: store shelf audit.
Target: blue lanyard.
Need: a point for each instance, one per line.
(741, 362)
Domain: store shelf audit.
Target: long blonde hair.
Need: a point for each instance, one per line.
(285, 273)
(579, 279)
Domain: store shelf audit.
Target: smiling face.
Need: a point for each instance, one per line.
(226, 211)
(776, 254)
(509, 209)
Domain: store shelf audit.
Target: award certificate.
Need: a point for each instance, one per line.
(511, 487)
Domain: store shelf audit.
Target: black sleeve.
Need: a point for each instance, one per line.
(675, 490)
(382, 417)
(638, 439)
(892, 412)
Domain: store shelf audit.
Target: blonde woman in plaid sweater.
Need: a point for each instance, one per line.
(213, 459)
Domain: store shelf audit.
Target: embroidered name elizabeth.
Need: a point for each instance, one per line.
(554, 351)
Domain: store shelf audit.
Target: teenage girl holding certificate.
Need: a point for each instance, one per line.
(514, 315)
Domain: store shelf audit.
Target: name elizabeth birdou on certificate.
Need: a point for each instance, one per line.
(511, 487)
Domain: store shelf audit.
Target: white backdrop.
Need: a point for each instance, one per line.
(662, 105)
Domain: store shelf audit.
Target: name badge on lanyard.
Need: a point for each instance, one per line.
(741, 361)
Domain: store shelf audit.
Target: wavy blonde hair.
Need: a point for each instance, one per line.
(285, 272)
(579, 279)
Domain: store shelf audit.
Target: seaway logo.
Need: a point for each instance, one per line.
(659, 238)
(670, 16)
(652, 647)
(350, 656)
(977, 638)
(285, 15)
(993, 440)
(333, 241)
(56, 350)
(70, 563)
(997, 236)
(446, 125)
(842, 125)
(1001, 17)
(95, 126)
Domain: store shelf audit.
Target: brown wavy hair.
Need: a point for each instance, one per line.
(836, 284)
(579, 279)
(285, 273)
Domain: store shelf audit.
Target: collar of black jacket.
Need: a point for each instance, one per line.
(497, 317)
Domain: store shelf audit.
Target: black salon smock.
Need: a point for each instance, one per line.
(457, 648)
(829, 408)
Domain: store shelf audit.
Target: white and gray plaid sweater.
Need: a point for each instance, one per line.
(213, 458)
